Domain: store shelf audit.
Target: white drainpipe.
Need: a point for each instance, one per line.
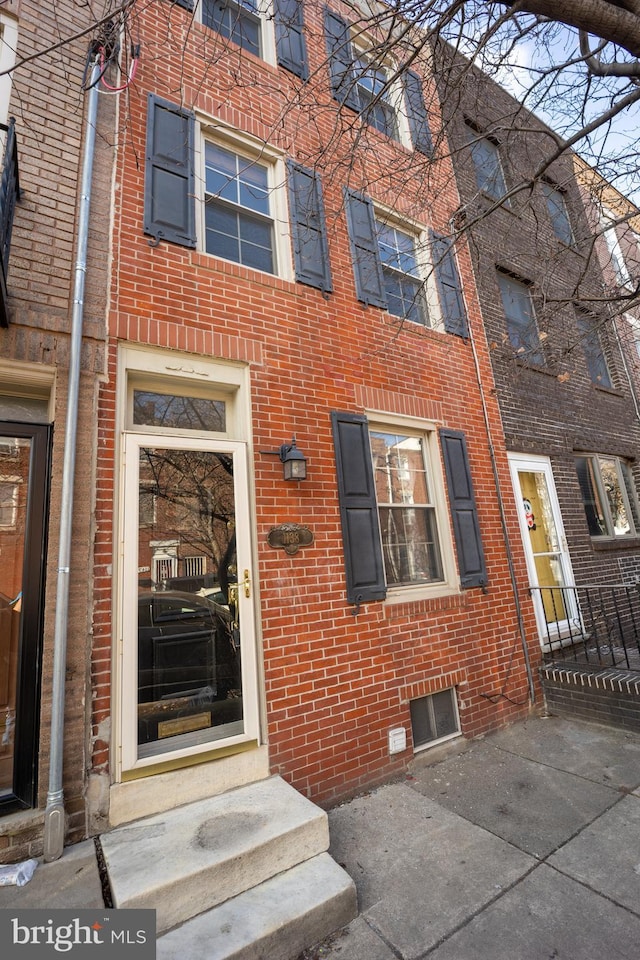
(54, 827)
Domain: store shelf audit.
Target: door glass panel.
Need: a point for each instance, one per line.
(189, 671)
(15, 455)
(544, 542)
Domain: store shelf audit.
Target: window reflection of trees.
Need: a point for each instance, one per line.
(194, 500)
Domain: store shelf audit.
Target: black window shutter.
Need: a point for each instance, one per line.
(454, 314)
(169, 191)
(417, 114)
(358, 508)
(291, 49)
(341, 60)
(308, 224)
(364, 250)
(187, 4)
(464, 513)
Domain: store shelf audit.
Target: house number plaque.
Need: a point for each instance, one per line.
(290, 537)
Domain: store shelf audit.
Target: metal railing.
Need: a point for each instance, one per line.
(597, 626)
(9, 193)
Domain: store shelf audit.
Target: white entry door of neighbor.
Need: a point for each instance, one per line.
(545, 546)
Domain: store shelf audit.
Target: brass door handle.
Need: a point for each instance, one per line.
(246, 583)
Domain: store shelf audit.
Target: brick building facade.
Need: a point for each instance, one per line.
(272, 287)
(566, 396)
(371, 616)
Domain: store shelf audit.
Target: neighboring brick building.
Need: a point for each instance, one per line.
(236, 323)
(566, 399)
(615, 223)
(46, 99)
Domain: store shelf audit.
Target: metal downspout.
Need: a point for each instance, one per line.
(54, 817)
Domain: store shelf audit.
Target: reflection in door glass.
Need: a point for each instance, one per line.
(544, 542)
(15, 454)
(189, 670)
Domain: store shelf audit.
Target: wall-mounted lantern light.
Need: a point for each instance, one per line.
(294, 461)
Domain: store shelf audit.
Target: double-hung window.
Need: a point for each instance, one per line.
(227, 197)
(487, 165)
(238, 217)
(521, 320)
(402, 282)
(270, 29)
(237, 21)
(594, 354)
(608, 496)
(388, 272)
(392, 506)
(558, 213)
(388, 99)
(9, 487)
(375, 96)
(406, 509)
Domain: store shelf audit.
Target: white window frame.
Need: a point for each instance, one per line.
(632, 509)
(394, 94)
(426, 273)
(264, 14)
(610, 234)
(11, 503)
(635, 333)
(254, 151)
(8, 46)
(428, 432)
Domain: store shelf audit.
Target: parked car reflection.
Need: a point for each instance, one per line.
(188, 665)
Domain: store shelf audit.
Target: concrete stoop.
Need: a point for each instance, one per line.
(274, 921)
(249, 865)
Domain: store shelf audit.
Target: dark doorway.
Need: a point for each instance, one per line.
(24, 488)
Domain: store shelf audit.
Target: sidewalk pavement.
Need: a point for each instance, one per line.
(524, 845)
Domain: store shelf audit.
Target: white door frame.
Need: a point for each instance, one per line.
(528, 463)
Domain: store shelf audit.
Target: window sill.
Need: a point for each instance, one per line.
(609, 391)
(437, 331)
(611, 544)
(535, 367)
(398, 595)
(496, 202)
(209, 261)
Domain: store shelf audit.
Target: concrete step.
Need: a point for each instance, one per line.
(277, 919)
(187, 860)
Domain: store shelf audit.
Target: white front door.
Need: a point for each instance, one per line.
(545, 545)
(188, 678)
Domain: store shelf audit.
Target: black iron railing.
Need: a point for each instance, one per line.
(9, 193)
(597, 625)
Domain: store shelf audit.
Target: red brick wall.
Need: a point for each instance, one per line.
(335, 683)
